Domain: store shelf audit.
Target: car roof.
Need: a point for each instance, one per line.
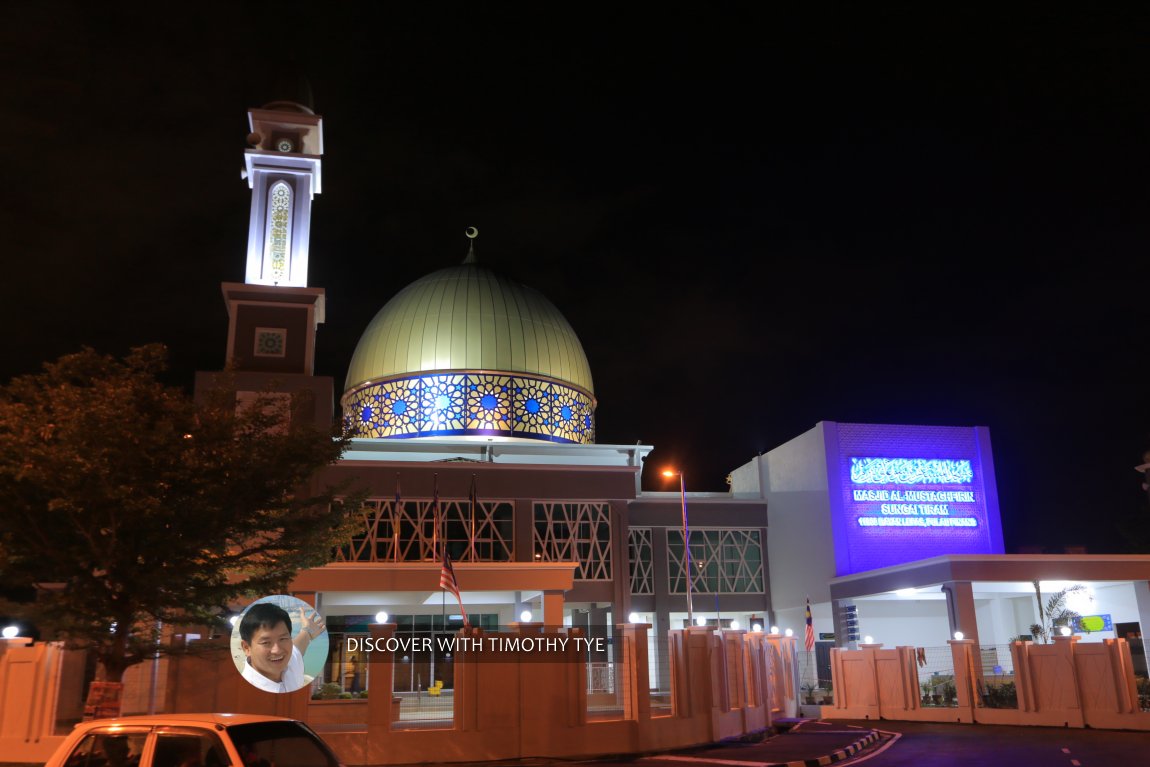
(159, 720)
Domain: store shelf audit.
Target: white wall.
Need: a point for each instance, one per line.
(1118, 601)
(795, 618)
(800, 548)
(1002, 619)
(904, 622)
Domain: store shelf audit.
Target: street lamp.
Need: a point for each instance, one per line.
(686, 540)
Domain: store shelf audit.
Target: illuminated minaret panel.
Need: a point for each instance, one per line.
(283, 172)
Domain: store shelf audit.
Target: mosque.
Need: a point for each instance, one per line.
(472, 407)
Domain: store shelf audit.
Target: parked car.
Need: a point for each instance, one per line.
(193, 740)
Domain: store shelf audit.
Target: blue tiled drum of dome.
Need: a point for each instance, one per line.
(494, 405)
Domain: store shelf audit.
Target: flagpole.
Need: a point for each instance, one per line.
(435, 519)
(474, 502)
(395, 523)
(687, 572)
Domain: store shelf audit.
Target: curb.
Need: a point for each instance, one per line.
(834, 756)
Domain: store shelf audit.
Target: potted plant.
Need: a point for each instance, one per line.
(926, 690)
(949, 693)
(809, 689)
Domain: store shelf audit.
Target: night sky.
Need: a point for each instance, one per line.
(754, 221)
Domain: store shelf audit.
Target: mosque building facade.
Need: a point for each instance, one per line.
(471, 407)
(472, 412)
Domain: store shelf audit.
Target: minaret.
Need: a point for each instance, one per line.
(273, 315)
(283, 172)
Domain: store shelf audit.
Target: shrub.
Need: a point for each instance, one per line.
(328, 691)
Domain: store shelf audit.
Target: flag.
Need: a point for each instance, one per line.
(447, 581)
(809, 641)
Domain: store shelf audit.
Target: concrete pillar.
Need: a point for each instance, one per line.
(637, 696)
(465, 705)
(662, 603)
(1069, 677)
(620, 558)
(758, 674)
(1142, 603)
(524, 523)
(581, 619)
(553, 609)
(960, 609)
(967, 663)
(784, 673)
(382, 709)
(599, 629)
(701, 668)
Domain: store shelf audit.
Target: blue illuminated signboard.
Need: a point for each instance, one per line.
(905, 493)
(900, 507)
(910, 471)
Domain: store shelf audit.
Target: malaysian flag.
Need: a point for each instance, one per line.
(809, 640)
(447, 581)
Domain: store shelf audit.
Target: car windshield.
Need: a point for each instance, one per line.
(280, 744)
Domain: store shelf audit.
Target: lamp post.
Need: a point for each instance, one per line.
(686, 542)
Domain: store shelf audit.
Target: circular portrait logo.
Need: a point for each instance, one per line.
(279, 643)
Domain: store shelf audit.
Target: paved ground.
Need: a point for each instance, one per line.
(923, 744)
(918, 744)
(902, 744)
(806, 740)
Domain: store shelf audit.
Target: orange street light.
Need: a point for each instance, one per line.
(686, 541)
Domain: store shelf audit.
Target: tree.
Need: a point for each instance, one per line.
(1055, 613)
(131, 506)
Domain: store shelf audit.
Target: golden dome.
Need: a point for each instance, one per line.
(466, 328)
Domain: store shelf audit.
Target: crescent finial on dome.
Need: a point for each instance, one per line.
(471, 233)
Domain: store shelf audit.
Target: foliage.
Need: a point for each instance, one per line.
(328, 691)
(130, 506)
(1142, 684)
(1054, 614)
(1003, 695)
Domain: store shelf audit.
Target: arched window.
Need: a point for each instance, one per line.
(277, 233)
